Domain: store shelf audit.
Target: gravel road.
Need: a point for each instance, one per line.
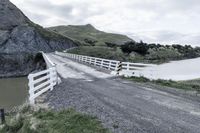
(123, 106)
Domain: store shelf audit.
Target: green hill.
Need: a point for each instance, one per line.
(89, 35)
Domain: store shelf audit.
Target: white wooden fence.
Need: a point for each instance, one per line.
(42, 81)
(128, 69)
(103, 63)
(48, 62)
(133, 69)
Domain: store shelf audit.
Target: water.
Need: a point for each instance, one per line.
(175, 70)
(13, 92)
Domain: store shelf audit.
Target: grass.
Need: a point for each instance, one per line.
(184, 85)
(48, 121)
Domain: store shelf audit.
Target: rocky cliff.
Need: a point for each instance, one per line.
(21, 40)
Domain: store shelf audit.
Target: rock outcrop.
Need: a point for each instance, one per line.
(21, 40)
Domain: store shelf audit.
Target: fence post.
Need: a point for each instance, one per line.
(119, 67)
(109, 67)
(31, 87)
(95, 61)
(51, 77)
(128, 66)
(101, 63)
(90, 60)
(2, 116)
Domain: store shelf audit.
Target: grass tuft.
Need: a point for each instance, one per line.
(48, 121)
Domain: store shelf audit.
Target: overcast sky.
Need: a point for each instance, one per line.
(164, 21)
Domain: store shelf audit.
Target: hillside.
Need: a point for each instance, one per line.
(89, 35)
(21, 40)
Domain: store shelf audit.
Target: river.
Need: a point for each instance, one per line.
(13, 92)
(175, 70)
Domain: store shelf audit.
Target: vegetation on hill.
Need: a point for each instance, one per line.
(26, 120)
(89, 36)
(161, 53)
(140, 52)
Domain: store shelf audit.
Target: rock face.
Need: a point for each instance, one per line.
(21, 40)
(10, 15)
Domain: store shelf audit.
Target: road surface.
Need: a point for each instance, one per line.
(123, 106)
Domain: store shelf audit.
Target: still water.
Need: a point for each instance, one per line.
(175, 70)
(13, 92)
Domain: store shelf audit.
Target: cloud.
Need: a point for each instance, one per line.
(151, 20)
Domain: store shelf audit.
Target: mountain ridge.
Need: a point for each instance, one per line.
(85, 33)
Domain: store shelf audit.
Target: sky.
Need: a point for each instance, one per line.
(153, 21)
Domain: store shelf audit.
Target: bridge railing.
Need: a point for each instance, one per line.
(127, 69)
(133, 69)
(41, 82)
(48, 62)
(134, 66)
(100, 62)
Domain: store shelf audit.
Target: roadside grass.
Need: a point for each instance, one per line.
(184, 85)
(27, 120)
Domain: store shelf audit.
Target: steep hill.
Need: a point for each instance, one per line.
(21, 40)
(89, 35)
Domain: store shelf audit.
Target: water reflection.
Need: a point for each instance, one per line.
(13, 92)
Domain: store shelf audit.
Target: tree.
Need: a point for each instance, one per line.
(140, 47)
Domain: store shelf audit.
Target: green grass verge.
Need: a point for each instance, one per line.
(48, 121)
(184, 85)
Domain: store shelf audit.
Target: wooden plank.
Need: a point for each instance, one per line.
(41, 79)
(40, 92)
(39, 73)
(40, 86)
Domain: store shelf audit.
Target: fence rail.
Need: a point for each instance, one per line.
(135, 66)
(41, 82)
(48, 62)
(100, 62)
(126, 68)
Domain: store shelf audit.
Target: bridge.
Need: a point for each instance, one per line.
(92, 85)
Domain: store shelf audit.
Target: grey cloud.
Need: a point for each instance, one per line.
(174, 20)
(37, 17)
(168, 37)
(60, 10)
(65, 11)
